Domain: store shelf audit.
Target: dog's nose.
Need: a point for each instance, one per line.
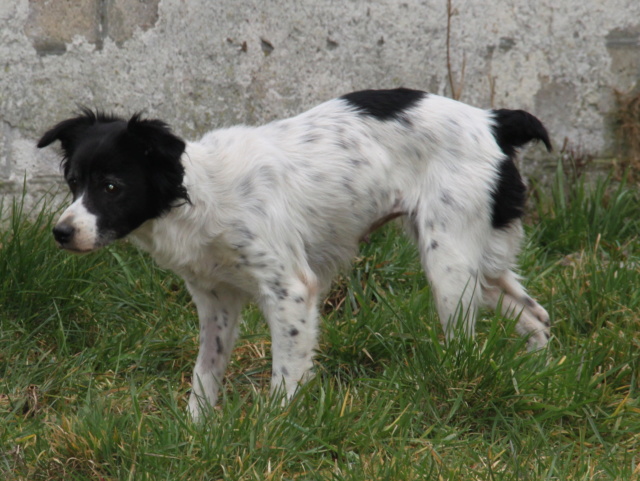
(63, 233)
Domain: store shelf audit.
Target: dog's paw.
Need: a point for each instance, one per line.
(539, 339)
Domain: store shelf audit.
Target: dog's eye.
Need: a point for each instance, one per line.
(73, 182)
(111, 188)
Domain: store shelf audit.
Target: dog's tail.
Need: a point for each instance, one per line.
(514, 128)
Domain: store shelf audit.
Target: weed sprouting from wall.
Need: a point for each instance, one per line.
(456, 90)
(626, 125)
(575, 161)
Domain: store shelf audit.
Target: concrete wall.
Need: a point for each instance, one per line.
(200, 64)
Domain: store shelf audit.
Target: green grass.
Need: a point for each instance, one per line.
(96, 354)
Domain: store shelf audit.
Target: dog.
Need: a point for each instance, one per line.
(271, 213)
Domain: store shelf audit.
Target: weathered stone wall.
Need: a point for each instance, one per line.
(200, 64)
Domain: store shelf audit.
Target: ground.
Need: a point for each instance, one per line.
(96, 354)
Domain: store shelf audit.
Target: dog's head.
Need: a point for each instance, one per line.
(121, 173)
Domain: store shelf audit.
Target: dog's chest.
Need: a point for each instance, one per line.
(205, 265)
(211, 267)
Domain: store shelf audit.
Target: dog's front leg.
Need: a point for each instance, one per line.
(290, 306)
(219, 312)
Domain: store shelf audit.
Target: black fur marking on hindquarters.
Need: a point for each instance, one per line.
(512, 129)
(509, 195)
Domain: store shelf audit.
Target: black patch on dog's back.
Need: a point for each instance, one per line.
(512, 129)
(384, 104)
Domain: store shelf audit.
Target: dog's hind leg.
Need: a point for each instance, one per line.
(219, 312)
(532, 319)
(289, 303)
(450, 262)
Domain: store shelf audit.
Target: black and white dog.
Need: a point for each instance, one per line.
(270, 213)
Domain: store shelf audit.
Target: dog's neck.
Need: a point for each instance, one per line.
(162, 236)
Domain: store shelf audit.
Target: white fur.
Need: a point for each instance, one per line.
(276, 210)
(85, 224)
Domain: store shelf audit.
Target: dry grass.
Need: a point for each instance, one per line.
(626, 122)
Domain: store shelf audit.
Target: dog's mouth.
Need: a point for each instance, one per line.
(69, 238)
(74, 250)
(79, 244)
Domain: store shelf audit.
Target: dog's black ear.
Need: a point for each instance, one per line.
(156, 137)
(68, 131)
(163, 150)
